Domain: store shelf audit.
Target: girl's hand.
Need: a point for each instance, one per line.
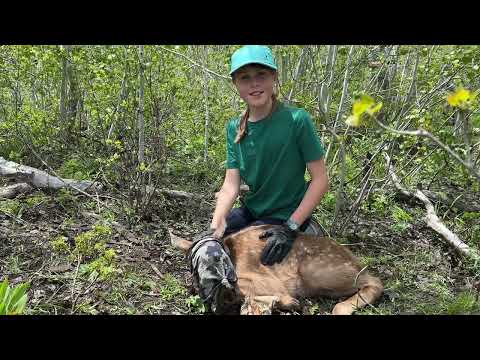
(280, 241)
(218, 228)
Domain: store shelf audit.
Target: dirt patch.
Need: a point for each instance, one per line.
(421, 274)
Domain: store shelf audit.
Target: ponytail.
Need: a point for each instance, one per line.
(242, 128)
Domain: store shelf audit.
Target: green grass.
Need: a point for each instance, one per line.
(171, 288)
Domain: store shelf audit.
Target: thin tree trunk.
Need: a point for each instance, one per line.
(339, 202)
(342, 98)
(120, 108)
(141, 123)
(404, 72)
(413, 85)
(297, 73)
(465, 131)
(205, 93)
(325, 89)
(63, 92)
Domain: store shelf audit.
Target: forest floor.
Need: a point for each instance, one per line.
(39, 233)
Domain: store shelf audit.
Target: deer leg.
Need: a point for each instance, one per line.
(367, 294)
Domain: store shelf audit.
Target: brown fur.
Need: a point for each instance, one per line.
(316, 266)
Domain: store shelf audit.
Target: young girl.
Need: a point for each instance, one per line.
(269, 147)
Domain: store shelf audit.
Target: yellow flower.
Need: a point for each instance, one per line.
(365, 104)
(461, 98)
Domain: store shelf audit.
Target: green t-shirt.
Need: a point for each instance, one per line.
(272, 160)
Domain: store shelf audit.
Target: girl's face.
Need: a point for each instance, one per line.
(255, 84)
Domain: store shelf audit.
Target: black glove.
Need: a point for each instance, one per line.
(278, 245)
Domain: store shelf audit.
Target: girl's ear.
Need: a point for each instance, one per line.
(275, 76)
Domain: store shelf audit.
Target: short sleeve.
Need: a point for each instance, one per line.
(232, 160)
(310, 145)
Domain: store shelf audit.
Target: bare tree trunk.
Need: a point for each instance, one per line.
(63, 91)
(325, 89)
(413, 85)
(141, 123)
(284, 68)
(342, 98)
(120, 108)
(462, 130)
(73, 94)
(339, 202)
(205, 93)
(404, 72)
(297, 73)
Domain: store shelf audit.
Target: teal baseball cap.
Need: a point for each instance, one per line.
(252, 54)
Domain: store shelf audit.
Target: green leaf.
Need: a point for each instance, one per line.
(18, 293)
(3, 290)
(6, 300)
(19, 306)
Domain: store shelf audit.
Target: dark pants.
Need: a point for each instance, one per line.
(240, 218)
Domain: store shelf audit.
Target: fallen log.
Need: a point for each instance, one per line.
(12, 191)
(436, 224)
(41, 179)
(431, 218)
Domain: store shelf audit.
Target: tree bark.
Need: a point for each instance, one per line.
(9, 192)
(41, 179)
(342, 98)
(141, 122)
(298, 73)
(205, 93)
(63, 92)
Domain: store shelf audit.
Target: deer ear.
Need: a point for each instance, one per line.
(179, 243)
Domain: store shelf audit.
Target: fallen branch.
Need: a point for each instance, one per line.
(155, 269)
(179, 194)
(431, 218)
(74, 282)
(9, 192)
(423, 133)
(41, 179)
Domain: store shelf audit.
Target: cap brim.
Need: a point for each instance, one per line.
(250, 63)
